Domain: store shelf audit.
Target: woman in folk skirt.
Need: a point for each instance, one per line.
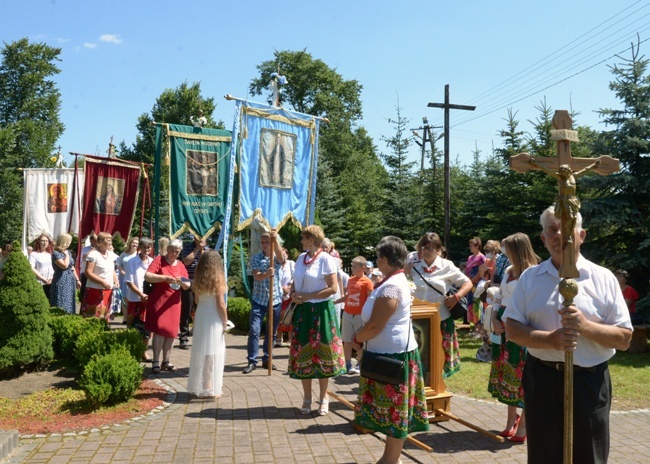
(316, 348)
(393, 410)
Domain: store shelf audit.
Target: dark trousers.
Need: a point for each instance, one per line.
(544, 408)
(257, 313)
(187, 304)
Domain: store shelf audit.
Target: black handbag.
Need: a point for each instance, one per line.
(460, 308)
(382, 368)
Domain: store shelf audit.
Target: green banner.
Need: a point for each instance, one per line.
(198, 179)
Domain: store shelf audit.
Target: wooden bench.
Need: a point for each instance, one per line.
(639, 343)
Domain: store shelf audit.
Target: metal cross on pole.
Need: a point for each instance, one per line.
(447, 106)
(566, 169)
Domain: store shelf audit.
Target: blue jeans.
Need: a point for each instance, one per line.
(257, 313)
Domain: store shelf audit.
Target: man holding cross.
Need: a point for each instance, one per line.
(581, 322)
(593, 327)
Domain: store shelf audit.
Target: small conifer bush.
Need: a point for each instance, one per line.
(66, 330)
(111, 378)
(25, 337)
(93, 343)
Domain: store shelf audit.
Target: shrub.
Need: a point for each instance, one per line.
(92, 343)
(25, 337)
(238, 312)
(111, 378)
(68, 328)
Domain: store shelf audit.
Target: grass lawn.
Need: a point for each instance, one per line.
(630, 376)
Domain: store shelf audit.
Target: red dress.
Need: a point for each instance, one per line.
(164, 303)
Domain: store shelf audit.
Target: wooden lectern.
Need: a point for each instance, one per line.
(426, 326)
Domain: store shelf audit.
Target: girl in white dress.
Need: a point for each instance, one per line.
(209, 343)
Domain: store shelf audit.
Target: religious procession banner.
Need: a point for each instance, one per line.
(110, 196)
(198, 178)
(277, 165)
(51, 203)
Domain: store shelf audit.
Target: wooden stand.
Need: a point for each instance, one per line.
(426, 325)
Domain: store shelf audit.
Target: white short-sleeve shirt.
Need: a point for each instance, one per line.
(536, 301)
(310, 278)
(397, 335)
(135, 270)
(104, 267)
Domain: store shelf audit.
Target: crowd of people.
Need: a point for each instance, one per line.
(513, 304)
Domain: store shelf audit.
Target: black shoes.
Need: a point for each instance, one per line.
(250, 368)
(265, 365)
(184, 346)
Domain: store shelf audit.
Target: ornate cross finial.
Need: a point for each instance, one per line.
(277, 81)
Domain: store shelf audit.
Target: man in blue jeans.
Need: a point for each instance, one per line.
(262, 272)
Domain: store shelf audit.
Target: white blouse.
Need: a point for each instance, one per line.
(507, 288)
(444, 275)
(104, 268)
(398, 332)
(41, 261)
(310, 278)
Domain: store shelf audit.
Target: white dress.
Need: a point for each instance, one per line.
(208, 350)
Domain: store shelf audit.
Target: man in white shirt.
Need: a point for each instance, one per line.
(593, 327)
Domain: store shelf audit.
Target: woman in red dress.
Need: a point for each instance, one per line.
(168, 275)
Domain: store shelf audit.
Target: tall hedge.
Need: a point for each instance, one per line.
(25, 337)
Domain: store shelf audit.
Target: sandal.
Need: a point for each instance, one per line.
(167, 366)
(155, 368)
(306, 406)
(324, 407)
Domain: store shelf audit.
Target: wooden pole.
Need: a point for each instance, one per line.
(471, 426)
(410, 439)
(269, 317)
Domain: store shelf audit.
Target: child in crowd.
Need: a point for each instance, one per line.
(358, 289)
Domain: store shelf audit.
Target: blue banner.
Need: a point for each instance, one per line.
(277, 165)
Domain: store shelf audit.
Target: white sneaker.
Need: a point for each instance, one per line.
(353, 370)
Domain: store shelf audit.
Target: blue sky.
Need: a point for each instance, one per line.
(119, 56)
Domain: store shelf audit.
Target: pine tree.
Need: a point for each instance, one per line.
(619, 218)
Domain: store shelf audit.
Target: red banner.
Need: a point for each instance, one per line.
(110, 196)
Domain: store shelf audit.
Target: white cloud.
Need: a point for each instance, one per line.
(62, 40)
(90, 45)
(111, 38)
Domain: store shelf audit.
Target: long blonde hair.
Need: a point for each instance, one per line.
(209, 277)
(520, 253)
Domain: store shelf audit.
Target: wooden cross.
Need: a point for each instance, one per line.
(566, 169)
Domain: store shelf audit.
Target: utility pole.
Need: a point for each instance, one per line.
(425, 137)
(447, 106)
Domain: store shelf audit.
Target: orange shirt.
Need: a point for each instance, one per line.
(358, 290)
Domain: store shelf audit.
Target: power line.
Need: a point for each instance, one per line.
(527, 87)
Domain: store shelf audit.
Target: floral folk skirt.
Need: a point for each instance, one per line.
(508, 360)
(316, 347)
(394, 410)
(450, 347)
(96, 303)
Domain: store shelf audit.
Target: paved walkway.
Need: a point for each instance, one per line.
(257, 421)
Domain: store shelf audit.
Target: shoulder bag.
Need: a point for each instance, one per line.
(460, 308)
(383, 368)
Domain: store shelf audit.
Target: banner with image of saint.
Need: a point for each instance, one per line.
(49, 203)
(199, 162)
(277, 165)
(110, 196)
